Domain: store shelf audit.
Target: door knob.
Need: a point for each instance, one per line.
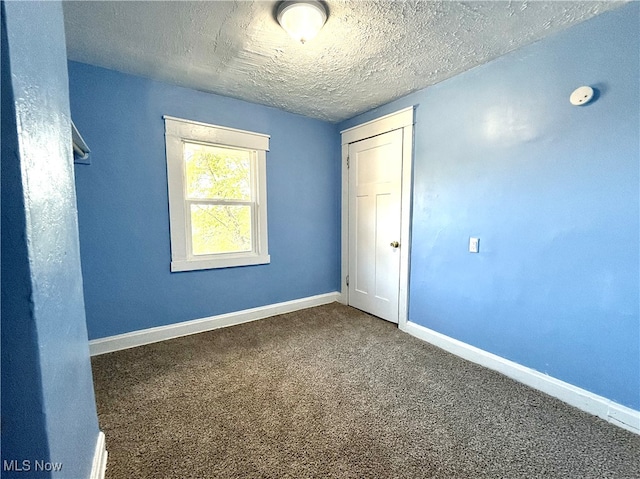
(394, 244)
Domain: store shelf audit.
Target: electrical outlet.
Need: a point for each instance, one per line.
(474, 245)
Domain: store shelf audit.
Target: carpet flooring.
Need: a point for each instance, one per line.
(331, 392)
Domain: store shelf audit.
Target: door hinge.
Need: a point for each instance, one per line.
(347, 162)
(347, 280)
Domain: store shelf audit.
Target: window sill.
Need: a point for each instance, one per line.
(228, 262)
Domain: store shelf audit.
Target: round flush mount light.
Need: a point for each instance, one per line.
(581, 96)
(302, 19)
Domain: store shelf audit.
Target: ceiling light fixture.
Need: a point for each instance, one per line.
(302, 19)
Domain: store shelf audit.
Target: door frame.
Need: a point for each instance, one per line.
(402, 119)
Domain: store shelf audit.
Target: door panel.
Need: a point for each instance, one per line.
(365, 253)
(375, 181)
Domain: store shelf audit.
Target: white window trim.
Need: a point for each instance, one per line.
(177, 131)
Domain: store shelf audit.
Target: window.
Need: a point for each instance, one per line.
(217, 195)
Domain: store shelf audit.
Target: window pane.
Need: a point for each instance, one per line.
(220, 229)
(217, 173)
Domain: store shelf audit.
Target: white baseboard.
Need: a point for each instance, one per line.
(587, 401)
(162, 333)
(99, 458)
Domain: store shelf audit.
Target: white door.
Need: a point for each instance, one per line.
(375, 183)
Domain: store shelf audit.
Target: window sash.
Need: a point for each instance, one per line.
(222, 202)
(189, 228)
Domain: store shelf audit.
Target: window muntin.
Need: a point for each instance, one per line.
(217, 196)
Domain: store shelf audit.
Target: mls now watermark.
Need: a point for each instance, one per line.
(27, 465)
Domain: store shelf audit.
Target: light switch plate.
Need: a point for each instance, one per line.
(474, 245)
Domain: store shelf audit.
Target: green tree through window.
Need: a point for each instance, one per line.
(219, 192)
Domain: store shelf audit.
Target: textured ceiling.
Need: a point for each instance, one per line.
(368, 53)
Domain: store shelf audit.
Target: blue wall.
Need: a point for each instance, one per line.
(123, 205)
(551, 190)
(21, 377)
(48, 406)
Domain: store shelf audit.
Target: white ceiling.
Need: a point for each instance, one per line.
(368, 53)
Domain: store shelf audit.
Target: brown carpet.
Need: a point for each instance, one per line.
(331, 392)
